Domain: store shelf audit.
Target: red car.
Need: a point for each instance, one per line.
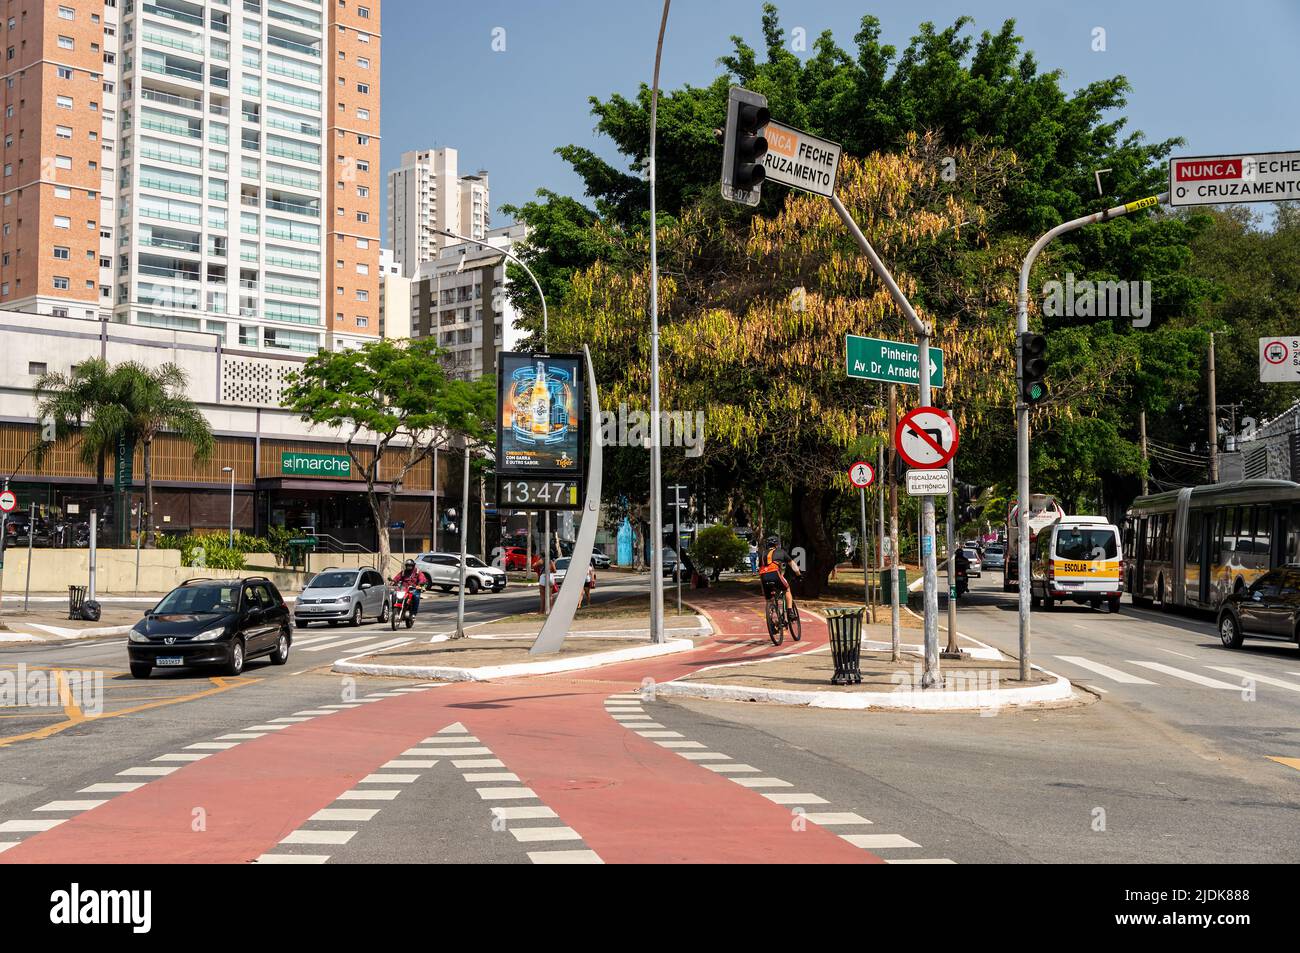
(516, 559)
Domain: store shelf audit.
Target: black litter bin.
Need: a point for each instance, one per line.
(76, 596)
(846, 644)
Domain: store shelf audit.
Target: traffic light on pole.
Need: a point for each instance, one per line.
(1033, 366)
(744, 146)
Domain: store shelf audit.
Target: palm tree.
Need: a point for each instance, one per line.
(152, 400)
(81, 402)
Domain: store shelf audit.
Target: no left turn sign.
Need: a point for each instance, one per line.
(861, 475)
(8, 501)
(926, 438)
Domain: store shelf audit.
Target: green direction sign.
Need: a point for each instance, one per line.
(315, 464)
(893, 362)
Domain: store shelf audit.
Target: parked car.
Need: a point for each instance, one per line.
(1269, 608)
(562, 568)
(515, 558)
(600, 560)
(443, 570)
(337, 595)
(212, 622)
(973, 565)
(995, 556)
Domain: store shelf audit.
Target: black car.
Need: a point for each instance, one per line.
(221, 622)
(1269, 608)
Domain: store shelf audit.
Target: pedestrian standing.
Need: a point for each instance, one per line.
(545, 573)
(588, 584)
(753, 558)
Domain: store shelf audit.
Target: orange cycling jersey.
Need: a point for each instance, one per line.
(769, 562)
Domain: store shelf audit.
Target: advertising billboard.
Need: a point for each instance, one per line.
(540, 417)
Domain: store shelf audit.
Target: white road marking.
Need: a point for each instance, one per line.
(446, 752)
(336, 707)
(146, 772)
(831, 818)
(14, 827)
(453, 729)
(660, 734)
(336, 644)
(343, 814)
(242, 736)
(1186, 676)
(5, 845)
(314, 711)
(1105, 671)
(293, 858)
(731, 768)
(794, 798)
(528, 835)
(478, 763)
(112, 788)
(461, 739)
(389, 779)
(1095, 688)
(195, 756)
(680, 744)
(504, 794)
(1263, 679)
(704, 756)
(408, 763)
(762, 783)
(1172, 652)
(522, 813)
(491, 776)
(376, 795)
(564, 857)
(212, 745)
(379, 647)
(319, 837)
(267, 727)
(314, 638)
(920, 860)
(69, 805)
(878, 841)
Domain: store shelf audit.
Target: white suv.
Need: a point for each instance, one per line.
(443, 570)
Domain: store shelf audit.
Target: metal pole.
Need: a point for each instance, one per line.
(677, 522)
(866, 556)
(951, 650)
(482, 519)
(94, 549)
(895, 623)
(881, 561)
(546, 561)
(464, 508)
(4, 535)
(435, 499)
(232, 507)
(1022, 409)
(1142, 433)
(1214, 420)
(139, 535)
(656, 489)
(31, 535)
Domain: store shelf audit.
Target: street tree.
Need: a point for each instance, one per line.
(395, 404)
(81, 404)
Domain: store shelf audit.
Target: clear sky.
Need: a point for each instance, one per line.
(1225, 76)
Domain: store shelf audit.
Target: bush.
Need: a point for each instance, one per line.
(210, 550)
(717, 548)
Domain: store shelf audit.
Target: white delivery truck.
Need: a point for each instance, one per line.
(1043, 512)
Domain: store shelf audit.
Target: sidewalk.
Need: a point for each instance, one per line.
(49, 622)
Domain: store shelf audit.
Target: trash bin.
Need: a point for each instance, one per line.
(846, 643)
(76, 596)
(887, 593)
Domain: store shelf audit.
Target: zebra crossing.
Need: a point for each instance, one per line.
(1146, 674)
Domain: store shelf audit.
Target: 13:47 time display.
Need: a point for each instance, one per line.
(537, 494)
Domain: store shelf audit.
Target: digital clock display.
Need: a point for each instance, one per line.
(537, 494)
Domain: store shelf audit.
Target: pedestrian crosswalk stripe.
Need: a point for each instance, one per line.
(242, 736)
(389, 779)
(312, 639)
(522, 813)
(1097, 668)
(415, 752)
(380, 646)
(564, 857)
(454, 729)
(266, 727)
(832, 818)
(781, 798)
(344, 814)
(479, 777)
(212, 745)
(70, 805)
(505, 794)
(459, 739)
(879, 841)
(5, 845)
(407, 763)
(1186, 676)
(478, 763)
(146, 772)
(704, 756)
(293, 858)
(319, 837)
(336, 644)
(763, 782)
(1262, 679)
(30, 826)
(526, 835)
(289, 720)
(112, 788)
(368, 795)
(192, 756)
(730, 768)
(920, 860)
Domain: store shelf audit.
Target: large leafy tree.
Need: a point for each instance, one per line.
(397, 405)
(971, 151)
(81, 404)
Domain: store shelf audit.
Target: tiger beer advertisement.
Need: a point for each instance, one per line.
(540, 413)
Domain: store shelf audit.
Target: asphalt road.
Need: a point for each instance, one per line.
(1171, 760)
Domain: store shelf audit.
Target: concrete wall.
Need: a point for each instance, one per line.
(53, 570)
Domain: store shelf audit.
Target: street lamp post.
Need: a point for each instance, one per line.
(231, 471)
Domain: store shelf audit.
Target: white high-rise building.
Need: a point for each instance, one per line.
(426, 193)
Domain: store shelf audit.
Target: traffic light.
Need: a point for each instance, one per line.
(966, 496)
(1033, 365)
(743, 146)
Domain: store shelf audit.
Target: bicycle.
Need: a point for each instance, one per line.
(778, 619)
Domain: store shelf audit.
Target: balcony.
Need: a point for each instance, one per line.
(284, 44)
(299, 128)
(292, 236)
(298, 155)
(163, 271)
(162, 39)
(311, 211)
(178, 157)
(172, 128)
(301, 102)
(294, 181)
(165, 68)
(303, 75)
(164, 185)
(294, 264)
(169, 99)
(150, 238)
(279, 289)
(169, 13)
(293, 21)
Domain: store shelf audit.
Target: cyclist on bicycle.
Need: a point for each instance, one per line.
(773, 563)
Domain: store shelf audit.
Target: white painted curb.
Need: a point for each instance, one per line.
(979, 700)
(488, 672)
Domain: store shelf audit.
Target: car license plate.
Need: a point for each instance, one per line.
(169, 660)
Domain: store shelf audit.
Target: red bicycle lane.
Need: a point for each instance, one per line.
(632, 800)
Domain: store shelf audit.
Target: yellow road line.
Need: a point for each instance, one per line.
(219, 685)
(1289, 762)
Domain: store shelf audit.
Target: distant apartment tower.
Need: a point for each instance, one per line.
(189, 140)
(425, 193)
(394, 298)
(59, 97)
(460, 298)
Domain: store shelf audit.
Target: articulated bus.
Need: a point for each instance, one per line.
(1195, 546)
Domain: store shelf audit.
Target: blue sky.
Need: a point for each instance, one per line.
(1224, 76)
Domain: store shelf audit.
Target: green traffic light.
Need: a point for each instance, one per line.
(1035, 391)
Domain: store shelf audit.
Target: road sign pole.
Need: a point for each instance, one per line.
(895, 624)
(1022, 409)
(881, 562)
(951, 651)
(865, 552)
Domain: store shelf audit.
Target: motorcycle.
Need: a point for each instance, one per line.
(400, 607)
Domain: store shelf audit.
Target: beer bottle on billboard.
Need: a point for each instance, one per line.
(540, 403)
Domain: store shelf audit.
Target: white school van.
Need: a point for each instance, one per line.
(1077, 559)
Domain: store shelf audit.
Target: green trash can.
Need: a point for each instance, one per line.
(845, 624)
(886, 591)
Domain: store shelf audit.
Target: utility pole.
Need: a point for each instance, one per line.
(951, 650)
(677, 505)
(1022, 406)
(882, 562)
(482, 518)
(1214, 420)
(864, 550)
(464, 539)
(1142, 435)
(895, 624)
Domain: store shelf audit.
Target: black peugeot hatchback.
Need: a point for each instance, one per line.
(222, 622)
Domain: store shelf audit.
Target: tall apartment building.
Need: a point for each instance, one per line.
(460, 298)
(204, 166)
(394, 298)
(426, 192)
